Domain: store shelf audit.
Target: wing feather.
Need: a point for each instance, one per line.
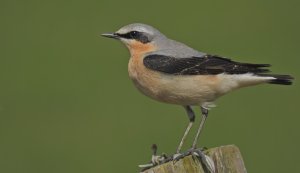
(204, 65)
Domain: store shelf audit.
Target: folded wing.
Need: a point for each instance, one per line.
(205, 65)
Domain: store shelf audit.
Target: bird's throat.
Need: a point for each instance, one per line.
(138, 49)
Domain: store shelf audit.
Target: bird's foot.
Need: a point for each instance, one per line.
(178, 156)
(156, 160)
(205, 160)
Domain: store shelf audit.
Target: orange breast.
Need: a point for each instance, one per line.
(137, 51)
(144, 79)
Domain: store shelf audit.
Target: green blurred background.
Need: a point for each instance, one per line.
(67, 104)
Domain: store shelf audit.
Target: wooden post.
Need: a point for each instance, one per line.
(227, 159)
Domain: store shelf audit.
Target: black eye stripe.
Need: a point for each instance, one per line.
(129, 35)
(139, 36)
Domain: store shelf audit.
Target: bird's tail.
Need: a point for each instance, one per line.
(279, 79)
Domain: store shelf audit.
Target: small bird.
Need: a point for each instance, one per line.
(171, 72)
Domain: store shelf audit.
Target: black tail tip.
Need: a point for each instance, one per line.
(282, 80)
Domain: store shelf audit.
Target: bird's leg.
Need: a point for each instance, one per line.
(205, 160)
(193, 149)
(191, 116)
(204, 116)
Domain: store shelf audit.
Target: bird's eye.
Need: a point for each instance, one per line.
(133, 34)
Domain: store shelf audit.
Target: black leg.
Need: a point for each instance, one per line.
(204, 116)
(191, 116)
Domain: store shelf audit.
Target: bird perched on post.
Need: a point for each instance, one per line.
(171, 72)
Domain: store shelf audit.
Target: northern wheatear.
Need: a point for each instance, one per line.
(171, 72)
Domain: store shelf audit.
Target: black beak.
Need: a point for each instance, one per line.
(110, 35)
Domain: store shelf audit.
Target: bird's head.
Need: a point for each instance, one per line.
(137, 36)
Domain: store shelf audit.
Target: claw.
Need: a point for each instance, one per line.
(205, 160)
(146, 166)
(178, 156)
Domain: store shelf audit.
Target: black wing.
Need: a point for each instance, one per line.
(205, 65)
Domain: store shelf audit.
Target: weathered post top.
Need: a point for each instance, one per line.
(227, 159)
